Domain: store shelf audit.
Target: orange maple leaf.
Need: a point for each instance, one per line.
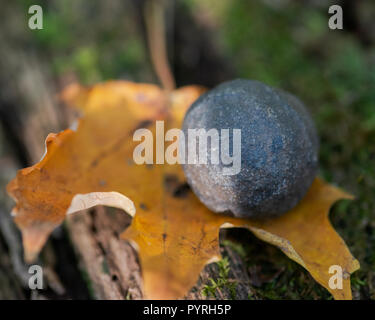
(174, 233)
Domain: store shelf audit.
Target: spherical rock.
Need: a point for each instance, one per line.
(279, 149)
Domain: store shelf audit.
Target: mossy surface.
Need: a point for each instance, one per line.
(333, 72)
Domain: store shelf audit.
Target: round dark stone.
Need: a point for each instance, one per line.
(279, 149)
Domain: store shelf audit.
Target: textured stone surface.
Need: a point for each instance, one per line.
(279, 149)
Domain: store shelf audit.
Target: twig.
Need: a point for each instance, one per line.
(156, 35)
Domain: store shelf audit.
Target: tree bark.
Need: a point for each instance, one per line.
(113, 266)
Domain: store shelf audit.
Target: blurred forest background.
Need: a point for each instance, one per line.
(284, 43)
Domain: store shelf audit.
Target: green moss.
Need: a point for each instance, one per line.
(105, 267)
(222, 282)
(89, 283)
(334, 74)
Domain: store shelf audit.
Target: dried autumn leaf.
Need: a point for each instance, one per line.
(174, 233)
